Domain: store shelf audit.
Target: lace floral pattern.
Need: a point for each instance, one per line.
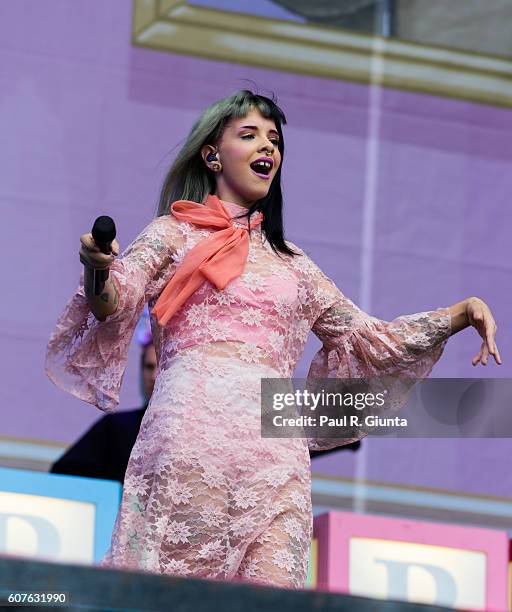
(205, 494)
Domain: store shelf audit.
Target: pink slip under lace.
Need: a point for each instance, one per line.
(264, 315)
(219, 258)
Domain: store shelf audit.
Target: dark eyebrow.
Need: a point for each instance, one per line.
(253, 127)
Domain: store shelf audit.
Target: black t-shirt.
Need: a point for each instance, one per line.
(103, 451)
(353, 446)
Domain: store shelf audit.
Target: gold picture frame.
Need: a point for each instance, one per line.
(333, 53)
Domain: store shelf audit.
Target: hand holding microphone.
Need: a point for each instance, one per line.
(97, 252)
(99, 249)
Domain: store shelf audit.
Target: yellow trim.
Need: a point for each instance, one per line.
(144, 14)
(327, 52)
(392, 485)
(36, 441)
(312, 577)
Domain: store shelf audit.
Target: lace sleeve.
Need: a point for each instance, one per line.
(357, 345)
(87, 357)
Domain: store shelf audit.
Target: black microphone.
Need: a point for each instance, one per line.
(103, 232)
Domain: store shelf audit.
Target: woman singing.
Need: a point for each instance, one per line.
(231, 302)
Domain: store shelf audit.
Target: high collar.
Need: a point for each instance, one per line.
(235, 210)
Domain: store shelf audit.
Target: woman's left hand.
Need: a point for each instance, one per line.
(480, 317)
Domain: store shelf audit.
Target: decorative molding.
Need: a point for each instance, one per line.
(333, 493)
(326, 52)
(328, 492)
(29, 454)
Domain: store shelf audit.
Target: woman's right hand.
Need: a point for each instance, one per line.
(92, 257)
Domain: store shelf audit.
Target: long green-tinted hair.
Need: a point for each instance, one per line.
(190, 179)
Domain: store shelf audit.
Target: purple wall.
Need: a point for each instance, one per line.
(88, 124)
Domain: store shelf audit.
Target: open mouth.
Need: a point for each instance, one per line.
(262, 168)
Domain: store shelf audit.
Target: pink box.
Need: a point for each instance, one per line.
(459, 563)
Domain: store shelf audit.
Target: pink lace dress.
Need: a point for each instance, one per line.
(205, 495)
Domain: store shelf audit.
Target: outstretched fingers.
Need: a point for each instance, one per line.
(490, 343)
(484, 352)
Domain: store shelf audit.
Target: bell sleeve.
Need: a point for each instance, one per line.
(358, 345)
(87, 357)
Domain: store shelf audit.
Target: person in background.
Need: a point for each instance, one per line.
(353, 446)
(103, 451)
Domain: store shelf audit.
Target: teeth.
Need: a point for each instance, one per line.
(263, 164)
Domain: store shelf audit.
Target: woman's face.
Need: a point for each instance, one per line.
(244, 142)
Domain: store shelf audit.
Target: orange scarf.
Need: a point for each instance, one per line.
(219, 258)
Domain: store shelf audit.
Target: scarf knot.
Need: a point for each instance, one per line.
(219, 258)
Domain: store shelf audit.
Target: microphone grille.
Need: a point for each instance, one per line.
(103, 230)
